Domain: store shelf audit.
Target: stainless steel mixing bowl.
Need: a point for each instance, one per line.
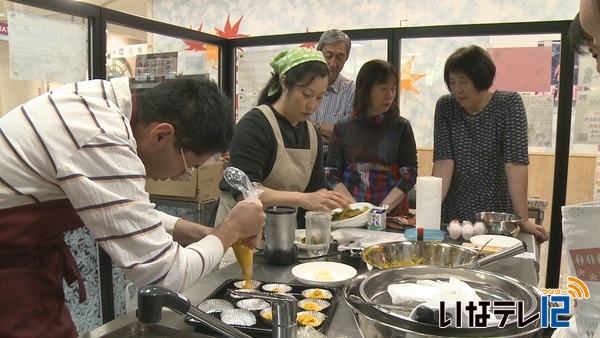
(498, 223)
(410, 253)
(373, 321)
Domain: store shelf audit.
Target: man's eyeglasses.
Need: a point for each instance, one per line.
(189, 171)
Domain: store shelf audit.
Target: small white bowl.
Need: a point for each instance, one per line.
(357, 221)
(307, 273)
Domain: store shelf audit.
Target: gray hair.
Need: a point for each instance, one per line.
(334, 36)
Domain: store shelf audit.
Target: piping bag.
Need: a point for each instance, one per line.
(238, 179)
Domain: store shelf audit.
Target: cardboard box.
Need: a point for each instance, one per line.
(204, 186)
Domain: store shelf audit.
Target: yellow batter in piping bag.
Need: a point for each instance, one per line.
(244, 254)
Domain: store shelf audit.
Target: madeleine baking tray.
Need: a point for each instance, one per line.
(263, 328)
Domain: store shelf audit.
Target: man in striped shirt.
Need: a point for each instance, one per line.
(79, 156)
(337, 103)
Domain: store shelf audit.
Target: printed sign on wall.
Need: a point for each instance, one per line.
(45, 49)
(587, 117)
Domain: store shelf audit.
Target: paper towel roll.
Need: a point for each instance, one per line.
(429, 202)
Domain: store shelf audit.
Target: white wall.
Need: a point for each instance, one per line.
(268, 17)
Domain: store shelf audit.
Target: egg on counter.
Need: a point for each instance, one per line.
(454, 229)
(467, 230)
(479, 229)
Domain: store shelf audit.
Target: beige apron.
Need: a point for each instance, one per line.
(291, 171)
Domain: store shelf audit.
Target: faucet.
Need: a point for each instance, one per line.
(284, 307)
(151, 300)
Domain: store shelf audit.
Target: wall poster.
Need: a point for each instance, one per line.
(539, 110)
(522, 69)
(253, 73)
(587, 117)
(43, 49)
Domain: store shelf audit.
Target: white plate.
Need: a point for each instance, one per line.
(497, 240)
(301, 234)
(306, 272)
(356, 221)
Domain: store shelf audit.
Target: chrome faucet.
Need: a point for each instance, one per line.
(151, 300)
(284, 308)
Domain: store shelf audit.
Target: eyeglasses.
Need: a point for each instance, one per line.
(189, 171)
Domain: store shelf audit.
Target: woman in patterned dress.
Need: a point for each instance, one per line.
(480, 143)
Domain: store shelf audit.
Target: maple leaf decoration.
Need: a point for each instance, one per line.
(309, 45)
(230, 32)
(408, 78)
(195, 45)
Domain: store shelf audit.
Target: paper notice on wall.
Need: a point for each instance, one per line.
(45, 49)
(522, 69)
(597, 180)
(539, 119)
(191, 62)
(587, 118)
(245, 103)
(254, 70)
(588, 76)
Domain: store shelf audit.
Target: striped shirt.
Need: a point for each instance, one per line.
(337, 102)
(76, 142)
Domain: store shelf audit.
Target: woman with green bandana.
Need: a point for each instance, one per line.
(276, 146)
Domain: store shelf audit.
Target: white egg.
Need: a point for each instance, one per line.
(467, 230)
(479, 229)
(454, 229)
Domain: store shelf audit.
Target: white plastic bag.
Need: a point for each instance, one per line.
(581, 223)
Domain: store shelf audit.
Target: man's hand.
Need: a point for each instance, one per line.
(245, 221)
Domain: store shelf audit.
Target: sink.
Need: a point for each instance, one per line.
(137, 329)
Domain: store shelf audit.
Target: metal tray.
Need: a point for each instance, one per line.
(262, 329)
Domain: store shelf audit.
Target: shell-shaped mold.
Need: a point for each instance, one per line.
(310, 318)
(277, 288)
(215, 305)
(310, 304)
(253, 284)
(267, 315)
(239, 317)
(252, 304)
(317, 293)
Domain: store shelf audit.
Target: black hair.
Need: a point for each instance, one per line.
(372, 73)
(301, 75)
(475, 63)
(579, 39)
(200, 113)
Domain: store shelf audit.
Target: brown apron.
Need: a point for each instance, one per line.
(291, 171)
(34, 260)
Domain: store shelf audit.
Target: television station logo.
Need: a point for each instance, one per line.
(556, 302)
(553, 304)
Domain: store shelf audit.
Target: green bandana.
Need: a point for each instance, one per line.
(289, 59)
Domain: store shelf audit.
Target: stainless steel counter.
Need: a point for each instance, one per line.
(342, 324)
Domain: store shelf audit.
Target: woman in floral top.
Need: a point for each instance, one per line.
(372, 152)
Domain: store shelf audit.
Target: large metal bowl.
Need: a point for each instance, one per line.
(498, 223)
(372, 321)
(410, 253)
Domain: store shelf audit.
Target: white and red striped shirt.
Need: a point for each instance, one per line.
(76, 142)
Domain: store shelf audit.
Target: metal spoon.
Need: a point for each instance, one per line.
(486, 243)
